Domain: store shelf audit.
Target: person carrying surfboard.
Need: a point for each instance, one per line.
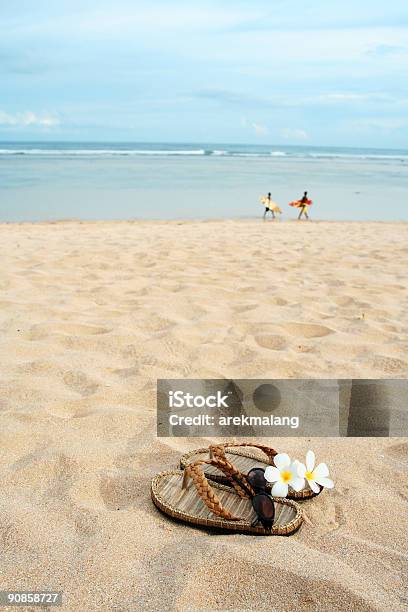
(304, 202)
(270, 206)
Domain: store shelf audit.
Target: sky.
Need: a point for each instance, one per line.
(295, 72)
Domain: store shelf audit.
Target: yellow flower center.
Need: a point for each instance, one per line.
(309, 476)
(286, 476)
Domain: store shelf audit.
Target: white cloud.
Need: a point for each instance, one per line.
(28, 118)
(294, 134)
(132, 19)
(258, 128)
(387, 124)
(343, 97)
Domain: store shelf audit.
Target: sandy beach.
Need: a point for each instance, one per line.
(92, 313)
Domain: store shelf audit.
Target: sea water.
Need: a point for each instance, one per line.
(50, 181)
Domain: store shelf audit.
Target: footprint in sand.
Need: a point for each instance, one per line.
(37, 332)
(244, 307)
(344, 300)
(79, 382)
(127, 372)
(156, 324)
(339, 515)
(278, 301)
(65, 470)
(81, 330)
(390, 365)
(119, 492)
(399, 452)
(307, 330)
(271, 341)
(403, 493)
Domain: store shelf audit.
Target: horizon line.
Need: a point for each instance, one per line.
(198, 142)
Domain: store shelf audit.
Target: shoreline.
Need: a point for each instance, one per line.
(239, 220)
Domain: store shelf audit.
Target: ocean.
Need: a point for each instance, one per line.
(52, 181)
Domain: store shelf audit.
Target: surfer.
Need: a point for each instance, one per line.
(270, 206)
(267, 206)
(303, 204)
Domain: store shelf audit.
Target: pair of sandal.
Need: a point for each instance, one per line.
(231, 489)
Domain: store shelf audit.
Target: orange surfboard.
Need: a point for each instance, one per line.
(300, 204)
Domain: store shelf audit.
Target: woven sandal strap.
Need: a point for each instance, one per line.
(218, 450)
(234, 477)
(217, 453)
(205, 490)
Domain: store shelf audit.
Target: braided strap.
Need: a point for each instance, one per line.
(205, 491)
(233, 475)
(218, 450)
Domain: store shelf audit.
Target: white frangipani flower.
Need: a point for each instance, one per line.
(284, 475)
(315, 476)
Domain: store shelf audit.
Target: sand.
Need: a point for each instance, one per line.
(92, 313)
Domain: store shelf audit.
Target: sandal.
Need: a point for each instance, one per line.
(244, 461)
(242, 506)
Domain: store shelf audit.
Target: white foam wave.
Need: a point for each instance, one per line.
(98, 152)
(50, 152)
(249, 154)
(368, 156)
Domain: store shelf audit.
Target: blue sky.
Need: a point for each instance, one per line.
(278, 71)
